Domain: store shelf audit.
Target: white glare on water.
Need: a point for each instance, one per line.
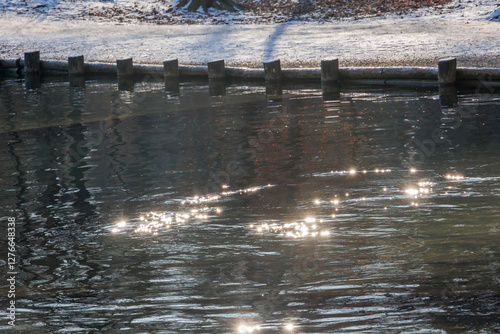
(200, 209)
(248, 328)
(412, 191)
(152, 222)
(454, 177)
(297, 229)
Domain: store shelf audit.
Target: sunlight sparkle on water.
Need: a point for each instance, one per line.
(216, 197)
(152, 222)
(454, 177)
(423, 188)
(306, 228)
(248, 328)
(412, 191)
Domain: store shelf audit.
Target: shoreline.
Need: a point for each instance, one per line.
(381, 42)
(124, 69)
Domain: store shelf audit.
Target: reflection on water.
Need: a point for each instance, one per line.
(153, 221)
(152, 210)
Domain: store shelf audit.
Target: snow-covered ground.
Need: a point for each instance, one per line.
(469, 30)
(132, 11)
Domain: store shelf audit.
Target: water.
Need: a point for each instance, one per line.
(375, 210)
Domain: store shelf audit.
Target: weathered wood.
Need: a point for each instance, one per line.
(244, 72)
(149, 71)
(484, 75)
(447, 71)
(172, 85)
(274, 89)
(216, 70)
(330, 92)
(33, 80)
(126, 83)
(32, 62)
(76, 65)
(193, 71)
(53, 65)
(272, 71)
(479, 74)
(389, 73)
(77, 81)
(330, 71)
(100, 68)
(217, 87)
(125, 67)
(171, 68)
(11, 63)
(448, 97)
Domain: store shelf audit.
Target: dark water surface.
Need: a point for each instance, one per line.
(376, 210)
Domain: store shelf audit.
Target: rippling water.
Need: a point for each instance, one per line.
(140, 211)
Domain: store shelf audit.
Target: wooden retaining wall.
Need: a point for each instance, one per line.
(446, 73)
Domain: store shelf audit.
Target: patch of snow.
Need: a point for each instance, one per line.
(109, 30)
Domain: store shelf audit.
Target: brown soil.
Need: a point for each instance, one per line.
(262, 11)
(308, 10)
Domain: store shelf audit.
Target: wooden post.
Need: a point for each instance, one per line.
(76, 65)
(33, 80)
(330, 71)
(124, 67)
(272, 71)
(126, 83)
(216, 70)
(217, 87)
(172, 86)
(447, 71)
(77, 81)
(274, 90)
(32, 62)
(330, 92)
(171, 69)
(448, 96)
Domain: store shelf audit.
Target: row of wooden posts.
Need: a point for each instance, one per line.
(330, 74)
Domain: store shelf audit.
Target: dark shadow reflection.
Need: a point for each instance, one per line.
(33, 81)
(217, 87)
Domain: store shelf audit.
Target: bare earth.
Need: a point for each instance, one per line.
(371, 42)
